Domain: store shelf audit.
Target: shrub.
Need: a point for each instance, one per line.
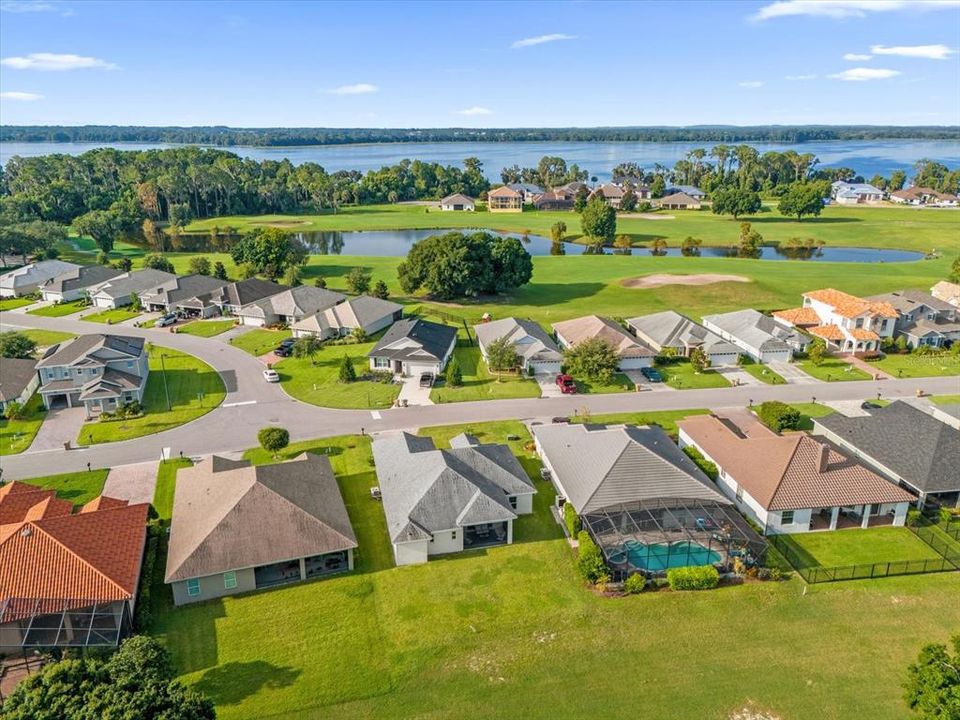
(273, 439)
(454, 374)
(14, 410)
(696, 577)
(16, 345)
(634, 584)
(347, 373)
(590, 559)
(709, 468)
(779, 416)
(571, 520)
(144, 612)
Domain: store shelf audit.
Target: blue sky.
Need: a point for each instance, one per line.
(483, 64)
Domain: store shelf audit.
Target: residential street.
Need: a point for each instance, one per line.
(252, 403)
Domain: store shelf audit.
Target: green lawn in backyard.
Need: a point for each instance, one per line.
(761, 372)
(682, 376)
(832, 370)
(499, 628)
(481, 384)
(854, 546)
(317, 380)
(259, 341)
(46, 338)
(16, 435)
(667, 419)
(166, 484)
(78, 488)
(113, 316)
(912, 365)
(14, 303)
(60, 309)
(186, 376)
(206, 328)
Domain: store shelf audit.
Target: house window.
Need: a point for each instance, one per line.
(453, 535)
(786, 517)
(739, 493)
(193, 587)
(79, 372)
(229, 580)
(513, 501)
(859, 322)
(381, 362)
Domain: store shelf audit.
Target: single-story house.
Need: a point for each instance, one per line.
(947, 291)
(362, 312)
(922, 318)
(457, 201)
(632, 353)
(189, 294)
(923, 196)
(27, 279)
(757, 335)
(535, 349)
(234, 296)
(288, 307)
(846, 323)
(18, 380)
(670, 329)
(679, 201)
(414, 346)
(691, 190)
(444, 501)
(99, 372)
(611, 194)
(119, 291)
(67, 579)
(557, 199)
(505, 199)
(78, 282)
(845, 193)
(793, 483)
(528, 190)
(238, 527)
(906, 445)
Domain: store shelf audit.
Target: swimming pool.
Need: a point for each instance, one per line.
(661, 556)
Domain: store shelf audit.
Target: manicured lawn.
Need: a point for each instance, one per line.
(206, 328)
(114, 316)
(259, 341)
(856, 546)
(618, 383)
(16, 435)
(78, 488)
(912, 365)
(166, 484)
(60, 310)
(14, 303)
(945, 399)
(761, 372)
(480, 384)
(46, 338)
(186, 377)
(682, 376)
(501, 627)
(317, 380)
(667, 419)
(832, 370)
(810, 410)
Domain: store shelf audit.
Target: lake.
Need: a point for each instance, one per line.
(396, 243)
(867, 157)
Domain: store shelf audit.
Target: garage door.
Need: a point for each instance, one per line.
(103, 302)
(777, 356)
(721, 359)
(255, 322)
(635, 363)
(414, 369)
(546, 368)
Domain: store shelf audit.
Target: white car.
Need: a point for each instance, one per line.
(271, 376)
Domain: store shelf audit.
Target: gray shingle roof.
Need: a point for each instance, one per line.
(429, 339)
(81, 277)
(908, 301)
(34, 273)
(913, 444)
(244, 292)
(185, 288)
(230, 515)
(530, 341)
(93, 347)
(15, 375)
(136, 282)
(671, 329)
(757, 330)
(598, 466)
(298, 302)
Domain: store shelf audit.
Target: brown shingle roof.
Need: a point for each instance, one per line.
(592, 326)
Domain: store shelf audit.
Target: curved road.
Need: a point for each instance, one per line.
(251, 404)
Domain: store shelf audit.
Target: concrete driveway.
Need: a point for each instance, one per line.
(738, 377)
(637, 378)
(548, 385)
(413, 393)
(134, 483)
(59, 427)
(792, 374)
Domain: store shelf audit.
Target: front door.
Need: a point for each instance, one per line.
(398, 367)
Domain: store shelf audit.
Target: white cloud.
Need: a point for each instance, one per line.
(846, 8)
(55, 62)
(357, 89)
(857, 57)
(801, 77)
(541, 39)
(26, 6)
(20, 96)
(475, 110)
(861, 74)
(751, 83)
(931, 52)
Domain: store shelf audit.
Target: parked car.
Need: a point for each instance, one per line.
(164, 320)
(426, 379)
(651, 374)
(271, 376)
(285, 348)
(566, 384)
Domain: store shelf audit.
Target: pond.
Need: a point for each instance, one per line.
(397, 243)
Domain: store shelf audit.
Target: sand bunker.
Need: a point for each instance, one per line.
(281, 223)
(655, 281)
(646, 216)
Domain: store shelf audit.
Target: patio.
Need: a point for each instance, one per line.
(846, 517)
(486, 535)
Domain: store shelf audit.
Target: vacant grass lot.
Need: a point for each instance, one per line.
(481, 384)
(259, 341)
(16, 435)
(682, 376)
(514, 627)
(112, 317)
(912, 366)
(859, 547)
(46, 338)
(14, 303)
(206, 328)
(186, 378)
(832, 369)
(60, 309)
(78, 488)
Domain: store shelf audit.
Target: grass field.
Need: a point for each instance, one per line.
(14, 303)
(945, 399)
(186, 377)
(808, 411)
(78, 488)
(480, 384)
(832, 370)
(259, 341)
(857, 546)
(682, 376)
(761, 372)
(60, 309)
(113, 316)
(166, 484)
(206, 328)
(46, 338)
(514, 627)
(912, 366)
(618, 383)
(667, 419)
(16, 435)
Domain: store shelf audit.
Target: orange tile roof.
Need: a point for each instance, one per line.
(827, 332)
(861, 334)
(851, 306)
(801, 316)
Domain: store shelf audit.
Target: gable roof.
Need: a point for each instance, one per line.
(850, 306)
(428, 339)
(426, 490)
(593, 326)
(297, 301)
(244, 292)
(671, 329)
(530, 341)
(755, 329)
(680, 198)
(457, 198)
(947, 291)
(609, 191)
(504, 191)
(185, 287)
(689, 190)
(599, 466)
(230, 515)
(360, 311)
(15, 375)
(907, 301)
(96, 348)
(137, 282)
(789, 472)
(913, 444)
(800, 316)
(35, 273)
(80, 277)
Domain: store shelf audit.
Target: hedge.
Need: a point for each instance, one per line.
(709, 468)
(634, 584)
(571, 520)
(590, 559)
(696, 577)
(144, 612)
(779, 416)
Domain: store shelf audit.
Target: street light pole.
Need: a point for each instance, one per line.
(163, 371)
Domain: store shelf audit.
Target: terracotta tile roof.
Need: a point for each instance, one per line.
(851, 306)
(790, 472)
(801, 316)
(861, 334)
(827, 332)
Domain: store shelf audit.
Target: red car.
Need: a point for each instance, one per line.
(566, 384)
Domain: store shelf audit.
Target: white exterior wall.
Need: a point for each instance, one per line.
(524, 504)
(410, 553)
(775, 356)
(800, 524)
(723, 359)
(414, 369)
(251, 321)
(446, 541)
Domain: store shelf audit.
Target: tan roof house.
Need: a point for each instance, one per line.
(611, 194)
(457, 201)
(632, 353)
(679, 201)
(505, 199)
(947, 291)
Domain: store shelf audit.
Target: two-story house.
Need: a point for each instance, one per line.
(97, 372)
(923, 319)
(846, 323)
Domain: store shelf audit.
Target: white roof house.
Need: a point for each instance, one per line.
(757, 335)
(457, 201)
(118, 292)
(27, 279)
(846, 193)
(534, 347)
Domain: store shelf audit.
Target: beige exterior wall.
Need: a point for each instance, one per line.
(212, 587)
